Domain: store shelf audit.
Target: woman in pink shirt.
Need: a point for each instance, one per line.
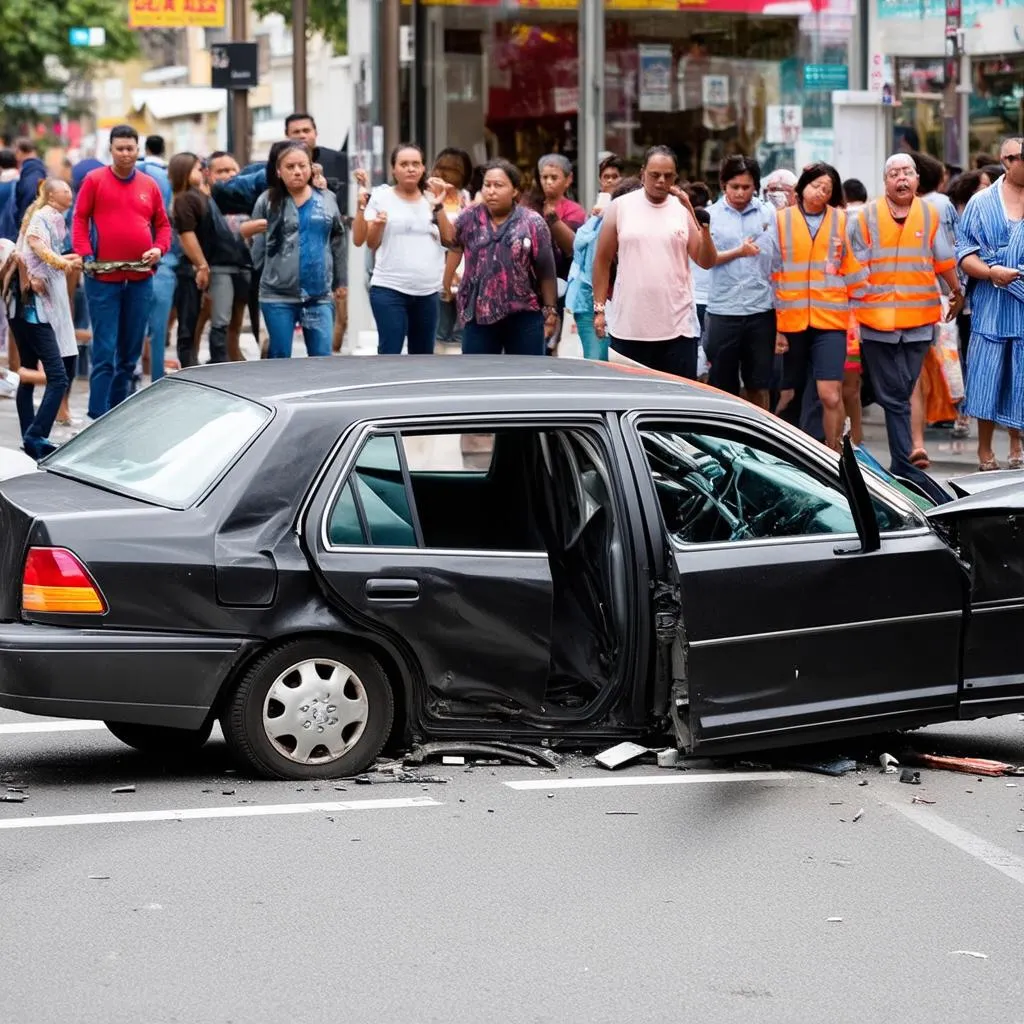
(654, 233)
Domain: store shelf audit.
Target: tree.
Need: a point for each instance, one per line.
(31, 31)
(328, 17)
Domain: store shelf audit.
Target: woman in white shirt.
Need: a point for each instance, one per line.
(407, 229)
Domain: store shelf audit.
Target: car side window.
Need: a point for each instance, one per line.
(373, 505)
(719, 487)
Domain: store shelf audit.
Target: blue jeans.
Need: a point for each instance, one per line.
(399, 316)
(593, 346)
(118, 311)
(317, 323)
(519, 334)
(164, 283)
(37, 344)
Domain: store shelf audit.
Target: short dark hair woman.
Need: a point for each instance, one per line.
(740, 318)
(508, 259)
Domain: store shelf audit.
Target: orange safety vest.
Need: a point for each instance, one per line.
(811, 287)
(902, 289)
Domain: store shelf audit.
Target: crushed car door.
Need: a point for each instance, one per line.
(474, 618)
(986, 526)
(792, 626)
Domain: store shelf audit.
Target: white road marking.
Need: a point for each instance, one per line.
(981, 849)
(191, 814)
(67, 725)
(647, 780)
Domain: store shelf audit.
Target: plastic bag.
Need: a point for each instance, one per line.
(947, 347)
(569, 345)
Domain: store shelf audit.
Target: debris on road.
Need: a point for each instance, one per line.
(967, 765)
(911, 778)
(622, 813)
(838, 766)
(833, 920)
(516, 753)
(863, 782)
(668, 758)
(968, 952)
(100, 878)
(921, 800)
(227, 792)
(13, 798)
(620, 755)
(123, 789)
(449, 759)
(859, 815)
(889, 764)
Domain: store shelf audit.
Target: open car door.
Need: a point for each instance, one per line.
(986, 526)
(808, 610)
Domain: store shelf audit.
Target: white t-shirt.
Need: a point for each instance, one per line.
(410, 258)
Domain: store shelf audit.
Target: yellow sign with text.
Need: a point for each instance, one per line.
(176, 13)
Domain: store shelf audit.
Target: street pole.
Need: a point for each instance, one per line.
(591, 109)
(951, 99)
(390, 73)
(239, 97)
(299, 70)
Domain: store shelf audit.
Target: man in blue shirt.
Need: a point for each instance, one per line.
(740, 319)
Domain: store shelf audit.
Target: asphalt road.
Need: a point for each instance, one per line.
(667, 895)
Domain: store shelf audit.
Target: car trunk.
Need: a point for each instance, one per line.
(27, 505)
(986, 526)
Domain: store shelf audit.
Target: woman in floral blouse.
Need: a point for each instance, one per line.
(507, 298)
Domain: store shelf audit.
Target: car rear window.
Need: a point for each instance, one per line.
(166, 445)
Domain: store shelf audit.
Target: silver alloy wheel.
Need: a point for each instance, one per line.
(315, 711)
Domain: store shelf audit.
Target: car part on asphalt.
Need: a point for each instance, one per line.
(620, 755)
(516, 753)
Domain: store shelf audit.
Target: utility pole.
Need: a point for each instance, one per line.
(390, 73)
(953, 146)
(299, 69)
(239, 97)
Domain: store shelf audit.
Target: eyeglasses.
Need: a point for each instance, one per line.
(901, 172)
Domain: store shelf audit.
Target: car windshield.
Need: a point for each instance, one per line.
(166, 445)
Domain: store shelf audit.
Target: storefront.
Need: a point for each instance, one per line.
(706, 78)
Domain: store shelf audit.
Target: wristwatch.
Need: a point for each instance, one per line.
(598, 308)
(549, 311)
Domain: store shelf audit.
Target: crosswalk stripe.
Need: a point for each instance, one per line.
(676, 779)
(195, 813)
(68, 725)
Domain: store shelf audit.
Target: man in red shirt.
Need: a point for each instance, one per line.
(119, 217)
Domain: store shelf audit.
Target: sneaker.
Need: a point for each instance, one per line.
(9, 382)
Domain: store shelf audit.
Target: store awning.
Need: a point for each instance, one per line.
(172, 103)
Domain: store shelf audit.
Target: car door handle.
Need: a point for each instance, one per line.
(392, 590)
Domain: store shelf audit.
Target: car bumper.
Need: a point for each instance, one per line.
(147, 678)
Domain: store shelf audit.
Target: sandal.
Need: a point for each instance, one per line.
(1015, 461)
(988, 466)
(919, 458)
(962, 428)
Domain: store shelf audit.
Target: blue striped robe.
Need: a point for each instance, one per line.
(995, 357)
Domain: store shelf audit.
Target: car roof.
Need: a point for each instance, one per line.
(381, 379)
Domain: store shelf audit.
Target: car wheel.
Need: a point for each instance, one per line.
(310, 710)
(160, 739)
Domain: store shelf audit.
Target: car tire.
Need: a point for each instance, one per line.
(308, 691)
(160, 739)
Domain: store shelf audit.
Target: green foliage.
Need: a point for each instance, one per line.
(328, 17)
(31, 30)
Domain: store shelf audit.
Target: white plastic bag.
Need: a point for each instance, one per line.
(569, 344)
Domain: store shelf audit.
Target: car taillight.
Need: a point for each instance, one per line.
(54, 580)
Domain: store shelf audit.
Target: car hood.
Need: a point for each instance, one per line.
(983, 494)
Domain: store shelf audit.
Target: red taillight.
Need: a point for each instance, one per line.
(56, 581)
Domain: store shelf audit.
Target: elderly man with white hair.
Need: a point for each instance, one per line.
(779, 188)
(899, 238)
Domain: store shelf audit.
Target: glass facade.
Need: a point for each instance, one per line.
(721, 77)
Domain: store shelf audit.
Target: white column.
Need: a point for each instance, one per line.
(591, 78)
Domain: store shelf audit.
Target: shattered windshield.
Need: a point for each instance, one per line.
(714, 489)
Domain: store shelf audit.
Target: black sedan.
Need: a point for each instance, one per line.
(328, 554)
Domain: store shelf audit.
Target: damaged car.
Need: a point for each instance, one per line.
(328, 555)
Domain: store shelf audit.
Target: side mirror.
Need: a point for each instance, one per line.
(863, 510)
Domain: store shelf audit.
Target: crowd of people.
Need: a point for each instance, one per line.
(798, 291)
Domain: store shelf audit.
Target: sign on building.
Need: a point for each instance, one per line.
(176, 13)
(234, 65)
